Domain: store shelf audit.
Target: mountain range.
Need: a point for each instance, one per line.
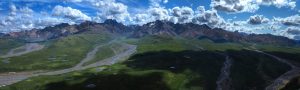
(164, 28)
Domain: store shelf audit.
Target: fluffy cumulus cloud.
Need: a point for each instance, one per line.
(289, 21)
(107, 9)
(50, 21)
(287, 27)
(293, 30)
(166, 1)
(257, 19)
(110, 9)
(158, 13)
(234, 6)
(154, 12)
(70, 13)
(17, 19)
(13, 10)
(178, 15)
(140, 19)
(11, 16)
(278, 3)
(246, 27)
(182, 15)
(156, 3)
(209, 17)
(150, 15)
(27, 11)
(24, 18)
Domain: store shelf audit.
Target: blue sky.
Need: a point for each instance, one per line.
(278, 17)
(38, 6)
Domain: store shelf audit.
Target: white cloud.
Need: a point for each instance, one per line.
(277, 26)
(48, 21)
(13, 10)
(24, 18)
(155, 3)
(200, 9)
(235, 6)
(159, 13)
(26, 11)
(289, 21)
(17, 19)
(107, 9)
(293, 30)
(209, 17)
(278, 3)
(141, 19)
(166, 1)
(110, 9)
(182, 15)
(257, 19)
(70, 13)
(18, 24)
(150, 15)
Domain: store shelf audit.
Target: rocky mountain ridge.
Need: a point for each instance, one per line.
(165, 28)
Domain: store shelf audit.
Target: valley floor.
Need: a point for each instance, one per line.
(158, 63)
(13, 77)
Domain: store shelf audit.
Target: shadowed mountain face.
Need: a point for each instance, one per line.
(154, 28)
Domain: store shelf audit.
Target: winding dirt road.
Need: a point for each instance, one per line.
(11, 78)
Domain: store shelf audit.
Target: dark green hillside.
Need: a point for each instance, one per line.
(252, 70)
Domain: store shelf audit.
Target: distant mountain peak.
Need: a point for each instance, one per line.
(62, 25)
(111, 21)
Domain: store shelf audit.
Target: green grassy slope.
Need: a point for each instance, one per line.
(110, 79)
(8, 44)
(170, 63)
(159, 43)
(61, 53)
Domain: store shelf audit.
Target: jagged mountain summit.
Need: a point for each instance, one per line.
(164, 28)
